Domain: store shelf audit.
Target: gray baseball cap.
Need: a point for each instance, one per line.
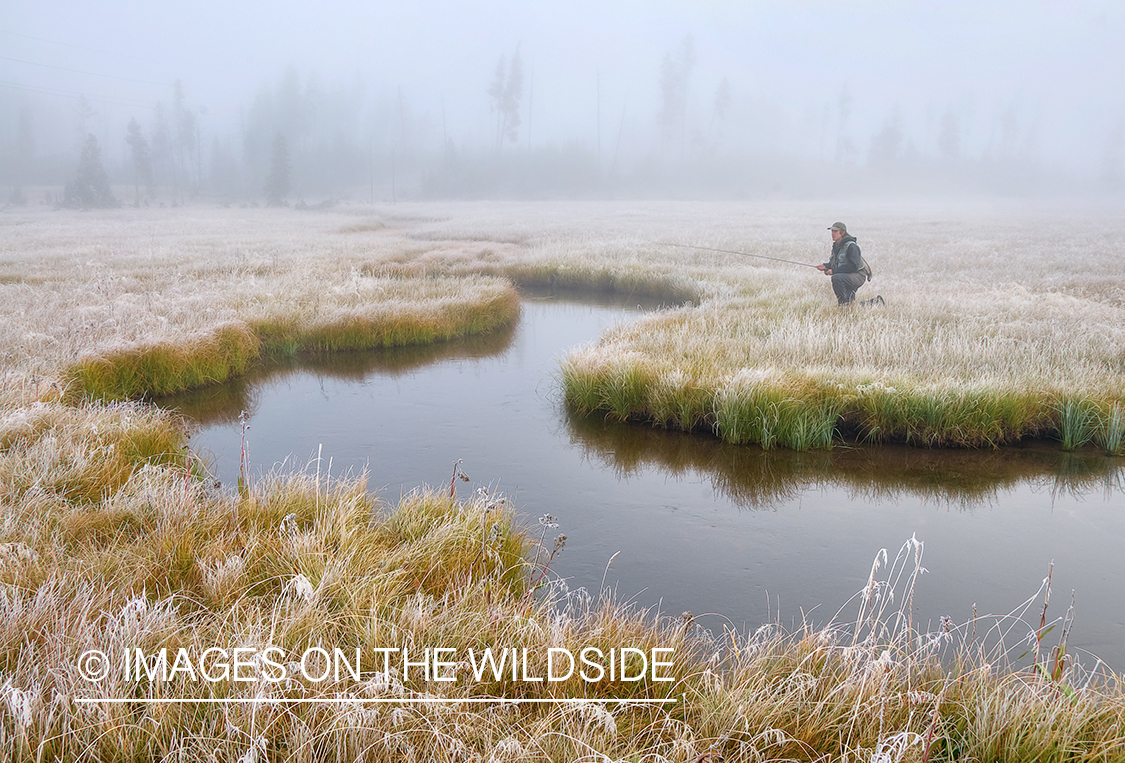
(840, 227)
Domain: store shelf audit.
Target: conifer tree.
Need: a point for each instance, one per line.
(90, 187)
(277, 182)
(142, 159)
(24, 158)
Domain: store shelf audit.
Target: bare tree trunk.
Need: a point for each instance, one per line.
(598, 80)
(620, 130)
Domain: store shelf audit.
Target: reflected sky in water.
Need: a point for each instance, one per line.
(690, 523)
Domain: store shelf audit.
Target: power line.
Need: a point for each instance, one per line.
(110, 53)
(80, 47)
(120, 100)
(79, 71)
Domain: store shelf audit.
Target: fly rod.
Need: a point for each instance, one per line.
(729, 251)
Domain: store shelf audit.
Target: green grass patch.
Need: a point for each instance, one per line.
(970, 417)
(1079, 421)
(803, 414)
(1111, 433)
(166, 367)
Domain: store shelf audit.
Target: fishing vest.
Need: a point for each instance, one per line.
(841, 256)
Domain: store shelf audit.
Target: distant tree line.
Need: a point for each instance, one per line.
(299, 137)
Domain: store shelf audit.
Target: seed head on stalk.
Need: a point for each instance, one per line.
(457, 472)
(548, 522)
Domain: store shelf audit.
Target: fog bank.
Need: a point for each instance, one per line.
(259, 102)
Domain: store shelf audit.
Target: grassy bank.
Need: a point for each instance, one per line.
(765, 368)
(121, 306)
(994, 330)
(803, 407)
(142, 554)
(393, 313)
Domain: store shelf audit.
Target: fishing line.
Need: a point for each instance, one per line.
(730, 251)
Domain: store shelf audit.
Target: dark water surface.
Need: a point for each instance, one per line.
(695, 524)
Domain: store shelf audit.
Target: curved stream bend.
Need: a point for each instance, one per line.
(695, 524)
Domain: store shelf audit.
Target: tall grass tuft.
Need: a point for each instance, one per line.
(755, 409)
(1079, 420)
(1111, 432)
(617, 388)
(749, 413)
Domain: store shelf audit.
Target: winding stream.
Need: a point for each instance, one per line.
(690, 523)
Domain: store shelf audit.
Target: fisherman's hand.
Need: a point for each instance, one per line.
(821, 267)
(827, 272)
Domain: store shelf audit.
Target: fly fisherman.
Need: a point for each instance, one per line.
(846, 266)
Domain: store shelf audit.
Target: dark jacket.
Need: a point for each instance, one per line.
(845, 257)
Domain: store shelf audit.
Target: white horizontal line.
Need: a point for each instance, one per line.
(363, 701)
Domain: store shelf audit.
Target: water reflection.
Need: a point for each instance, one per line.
(222, 403)
(752, 478)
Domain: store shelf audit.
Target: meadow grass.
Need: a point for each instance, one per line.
(112, 537)
(114, 308)
(162, 561)
(969, 351)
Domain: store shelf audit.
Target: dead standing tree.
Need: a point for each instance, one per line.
(674, 76)
(505, 94)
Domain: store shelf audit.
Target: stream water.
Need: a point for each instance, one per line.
(679, 521)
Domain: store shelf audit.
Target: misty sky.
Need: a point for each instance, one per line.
(1054, 70)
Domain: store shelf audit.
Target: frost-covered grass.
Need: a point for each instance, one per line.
(130, 303)
(997, 326)
(999, 322)
(159, 560)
